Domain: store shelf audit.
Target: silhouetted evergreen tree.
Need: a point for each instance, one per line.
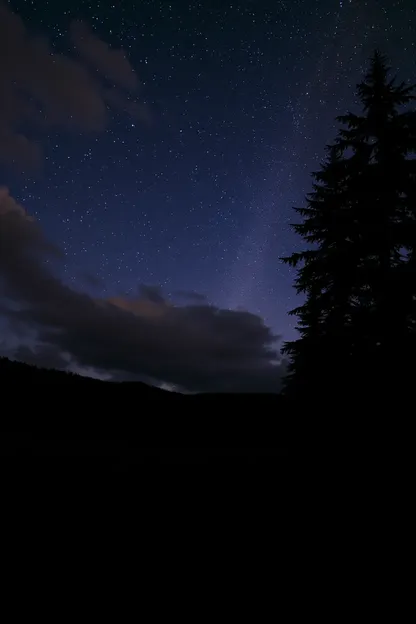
(357, 325)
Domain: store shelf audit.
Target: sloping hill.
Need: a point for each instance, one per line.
(61, 415)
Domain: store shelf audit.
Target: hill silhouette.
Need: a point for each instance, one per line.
(12, 371)
(63, 416)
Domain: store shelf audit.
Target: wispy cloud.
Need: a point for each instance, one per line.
(43, 88)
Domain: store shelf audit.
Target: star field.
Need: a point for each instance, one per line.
(198, 194)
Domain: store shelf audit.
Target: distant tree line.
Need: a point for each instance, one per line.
(12, 371)
(357, 325)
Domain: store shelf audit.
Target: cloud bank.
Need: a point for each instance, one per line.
(197, 346)
(43, 88)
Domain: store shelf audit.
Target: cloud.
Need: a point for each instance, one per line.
(111, 64)
(196, 347)
(151, 293)
(190, 295)
(41, 87)
(17, 150)
(44, 356)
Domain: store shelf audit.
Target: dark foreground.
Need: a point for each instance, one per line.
(67, 423)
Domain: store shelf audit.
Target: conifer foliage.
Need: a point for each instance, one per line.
(358, 272)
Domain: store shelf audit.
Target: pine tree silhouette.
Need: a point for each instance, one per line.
(357, 325)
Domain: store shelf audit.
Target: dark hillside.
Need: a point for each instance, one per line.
(61, 415)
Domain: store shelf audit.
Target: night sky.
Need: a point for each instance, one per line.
(171, 177)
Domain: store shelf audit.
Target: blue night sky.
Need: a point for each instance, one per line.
(187, 182)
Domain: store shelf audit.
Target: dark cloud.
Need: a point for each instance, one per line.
(45, 88)
(111, 64)
(151, 293)
(91, 280)
(44, 356)
(198, 347)
(190, 295)
(17, 150)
